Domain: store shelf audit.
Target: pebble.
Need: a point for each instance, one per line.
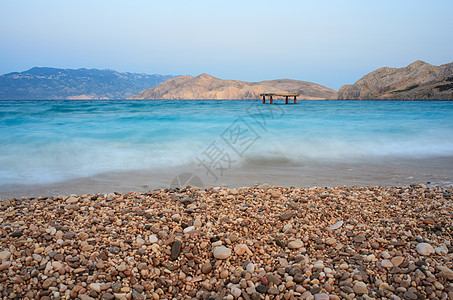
(410, 295)
(287, 228)
(140, 242)
(186, 201)
(321, 296)
(126, 245)
(286, 216)
(4, 266)
(336, 226)
(72, 200)
(16, 234)
(108, 296)
(175, 249)
(446, 271)
(260, 288)
(331, 242)
(197, 223)
(240, 249)
(189, 229)
(442, 250)
(137, 296)
(87, 248)
(397, 261)
(387, 264)
(425, 249)
(153, 239)
(95, 287)
(5, 255)
(295, 244)
(360, 288)
(250, 268)
(273, 279)
(122, 268)
(221, 252)
(48, 282)
(235, 292)
(273, 290)
(206, 268)
(116, 287)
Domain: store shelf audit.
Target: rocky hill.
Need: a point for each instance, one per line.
(51, 83)
(208, 87)
(417, 81)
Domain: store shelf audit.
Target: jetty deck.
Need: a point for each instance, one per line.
(272, 95)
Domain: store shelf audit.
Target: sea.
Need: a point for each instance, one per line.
(51, 142)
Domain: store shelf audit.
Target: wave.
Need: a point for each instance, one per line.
(48, 142)
(41, 163)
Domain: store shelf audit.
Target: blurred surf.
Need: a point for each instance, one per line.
(52, 141)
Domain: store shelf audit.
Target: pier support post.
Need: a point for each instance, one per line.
(295, 101)
(272, 100)
(264, 99)
(286, 98)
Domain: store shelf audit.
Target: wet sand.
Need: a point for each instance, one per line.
(431, 172)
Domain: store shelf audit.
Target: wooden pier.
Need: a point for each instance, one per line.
(272, 95)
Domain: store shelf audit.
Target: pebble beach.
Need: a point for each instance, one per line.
(259, 242)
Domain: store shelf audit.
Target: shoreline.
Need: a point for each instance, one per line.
(250, 243)
(432, 172)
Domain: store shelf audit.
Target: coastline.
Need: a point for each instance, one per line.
(432, 172)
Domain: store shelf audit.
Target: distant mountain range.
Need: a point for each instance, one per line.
(417, 81)
(206, 86)
(51, 83)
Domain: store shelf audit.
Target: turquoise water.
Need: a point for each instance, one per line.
(52, 141)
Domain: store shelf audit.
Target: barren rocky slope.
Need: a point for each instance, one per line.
(417, 81)
(51, 84)
(208, 87)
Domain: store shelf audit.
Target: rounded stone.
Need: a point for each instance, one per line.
(240, 249)
(72, 200)
(221, 252)
(95, 287)
(397, 261)
(360, 288)
(295, 244)
(197, 223)
(321, 296)
(336, 225)
(153, 239)
(250, 268)
(87, 248)
(121, 268)
(387, 264)
(5, 254)
(189, 229)
(331, 242)
(5, 266)
(425, 249)
(206, 268)
(235, 292)
(446, 271)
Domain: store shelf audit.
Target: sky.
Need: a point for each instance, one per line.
(330, 42)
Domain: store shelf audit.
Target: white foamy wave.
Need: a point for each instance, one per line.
(337, 150)
(64, 161)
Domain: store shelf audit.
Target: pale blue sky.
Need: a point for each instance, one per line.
(324, 41)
